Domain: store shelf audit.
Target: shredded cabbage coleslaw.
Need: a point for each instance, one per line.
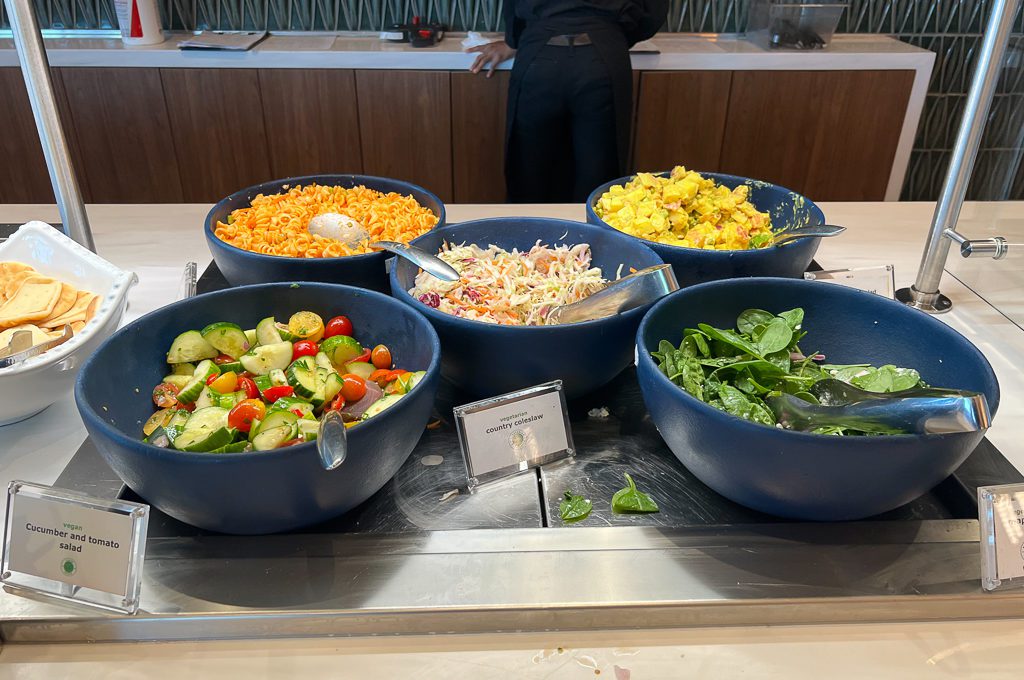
(510, 288)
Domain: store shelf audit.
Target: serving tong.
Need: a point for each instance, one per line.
(629, 292)
(20, 348)
(920, 410)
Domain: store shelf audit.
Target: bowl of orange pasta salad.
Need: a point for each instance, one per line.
(317, 228)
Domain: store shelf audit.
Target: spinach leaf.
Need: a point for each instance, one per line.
(631, 501)
(739, 404)
(749, 319)
(574, 508)
(794, 317)
(888, 378)
(693, 377)
(777, 336)
(731, 338)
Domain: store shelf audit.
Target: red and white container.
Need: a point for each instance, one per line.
(139, 21)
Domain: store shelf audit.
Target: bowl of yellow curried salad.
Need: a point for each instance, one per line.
(709, 226)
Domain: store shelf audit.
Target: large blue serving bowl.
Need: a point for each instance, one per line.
(808, 476)
(241, 267)
(486, 359)
(254, 493)
(694, 265)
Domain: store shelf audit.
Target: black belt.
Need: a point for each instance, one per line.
(577, 40)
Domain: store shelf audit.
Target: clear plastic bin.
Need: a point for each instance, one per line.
(793, 25)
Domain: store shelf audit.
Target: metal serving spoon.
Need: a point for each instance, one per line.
(332, 440)
(806, 231)
(629, 292)
(428, 262)
(892, 413)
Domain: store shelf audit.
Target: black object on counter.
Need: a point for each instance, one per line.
(784, 33)
(396, 33)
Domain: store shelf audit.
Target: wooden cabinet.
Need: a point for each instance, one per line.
(312, 121)
(830, 135)
(23, 174)
(478, 136)
(120, 122)
(405, 127)
(216, 122)
(680, 119)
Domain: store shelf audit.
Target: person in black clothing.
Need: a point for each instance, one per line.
(571, 92)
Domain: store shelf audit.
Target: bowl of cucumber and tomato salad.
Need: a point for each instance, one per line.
(209, 408)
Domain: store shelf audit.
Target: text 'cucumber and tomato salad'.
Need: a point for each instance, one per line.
(230, 390)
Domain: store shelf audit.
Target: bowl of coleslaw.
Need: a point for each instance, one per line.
(492, 322)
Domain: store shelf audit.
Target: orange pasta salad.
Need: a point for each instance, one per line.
(278, 224)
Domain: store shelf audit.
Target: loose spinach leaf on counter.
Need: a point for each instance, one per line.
(574, 508)
(735, 370)
(632, 501)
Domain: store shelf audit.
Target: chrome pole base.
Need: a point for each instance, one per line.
(933, 303)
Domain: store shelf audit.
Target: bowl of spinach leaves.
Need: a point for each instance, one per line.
(711, 354)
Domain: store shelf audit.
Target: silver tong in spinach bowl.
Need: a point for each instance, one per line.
(920, 410)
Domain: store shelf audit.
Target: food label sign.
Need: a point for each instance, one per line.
(514, 432)
(1001, 515)
(74, 547)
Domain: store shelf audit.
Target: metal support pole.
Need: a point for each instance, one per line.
(924, 294)
(36, 70)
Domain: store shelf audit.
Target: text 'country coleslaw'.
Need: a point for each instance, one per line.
(510, 288)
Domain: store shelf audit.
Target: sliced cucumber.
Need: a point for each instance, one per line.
(332, 386)
(179, 381)
(308, 429)
(323, 361)
(188, 369)
(192, 390)
(263, 382)
(202, 441)
(208, 398)
(227, 338)
(301, 375)
(265, 358)
(250, 337)
(321, 378)
(179, 419)
(382, 404)
(236, 447)
(363, 369)
(341, 349)
(205, 369)
(415, 379)
(266, 332)
(292, 404)
(278, 378)
(231, 367)
(269, 439)
(230, 399)
(286, 334)
(208, 419)
(190, 346)
(280, 418)
(254, 429)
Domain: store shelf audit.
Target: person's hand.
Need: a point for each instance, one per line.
(490, 55)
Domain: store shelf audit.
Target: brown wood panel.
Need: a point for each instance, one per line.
(120, 121)
(831, 135)
(23, 174)
(857, 135)
(680, 119)
(405, 126)
(312, 121)
(218, 130)
(478, 136)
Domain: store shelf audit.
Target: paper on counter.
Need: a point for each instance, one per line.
(220, 40)
(474, 39)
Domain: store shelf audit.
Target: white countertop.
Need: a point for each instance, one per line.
(157, 240)
(677, 52)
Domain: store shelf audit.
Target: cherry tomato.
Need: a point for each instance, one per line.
(338, 403)
(244, 413)
(304, 348)
(298, 412)
(165, 395)
(306, 326)
(292, 442)
(380, 376)
(249, 385)
(188, 407)
(224, 383)
(353, 387)
(211, 378)
(364, 357)
(339, 325)
(381, 357)
(221, 359)
(272, 394)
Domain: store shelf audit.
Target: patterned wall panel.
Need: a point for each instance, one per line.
(950, 28)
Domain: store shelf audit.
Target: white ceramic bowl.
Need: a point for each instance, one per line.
(30, 386)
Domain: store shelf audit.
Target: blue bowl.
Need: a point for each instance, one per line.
(254, 493)
(486, 359)
(242, 267)
(695, 265)
(800, 475)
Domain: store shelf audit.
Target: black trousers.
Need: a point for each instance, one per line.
(562, 136)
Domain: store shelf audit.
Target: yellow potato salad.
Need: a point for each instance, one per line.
(687, 210)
